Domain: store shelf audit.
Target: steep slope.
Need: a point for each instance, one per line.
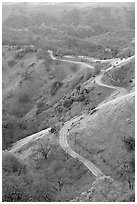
(107, 150)
(104, 141)
(122, 75)
(40, 92)
(51, 174)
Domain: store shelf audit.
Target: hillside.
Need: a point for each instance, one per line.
(108, 143)
(50, 174)
(68, 94)
(40, 92)
(123, 76)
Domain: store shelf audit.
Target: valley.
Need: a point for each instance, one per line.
(68, 103)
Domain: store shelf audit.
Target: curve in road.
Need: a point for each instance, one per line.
(66, 60)
(63, 132)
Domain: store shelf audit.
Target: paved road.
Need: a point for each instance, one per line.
(123, 62)
(66, 60)
(64, 131)
(119, 91)
(64, 144)
(17, 146)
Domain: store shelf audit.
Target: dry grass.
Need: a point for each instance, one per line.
(58, 175)
(99, 137)
(122, 76)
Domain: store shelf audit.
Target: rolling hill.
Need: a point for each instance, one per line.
(68, 94)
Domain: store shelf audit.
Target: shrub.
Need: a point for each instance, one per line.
(132, 164)
(55, 129)
(59, 109)
(26, 76)
(12, 164)
(68, 102)
(19, 54)
(55, 86)
(24, 98)
(97, 69)
(11, 63)
(80, 98)
(130, 143)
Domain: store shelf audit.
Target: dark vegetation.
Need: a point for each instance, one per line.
(55, 86)
(129, 143)
(11, 63)
(11, 164)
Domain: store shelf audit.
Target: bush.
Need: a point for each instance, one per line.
(11, 63)
(12, 164)
(41, 106)
(80, 98)
(97, 69)
(26, 76)
(68, 102)
(55, 86)
(19, 54)
(55, 129)
(130, 143)
(24, 98)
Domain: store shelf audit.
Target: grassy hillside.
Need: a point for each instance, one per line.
(39, 92)
(107, 138)
(122, 76)
(42, 171)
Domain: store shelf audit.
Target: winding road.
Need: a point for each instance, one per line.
(119, 91)
(84, 64)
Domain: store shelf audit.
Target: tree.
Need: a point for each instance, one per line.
(44, 151)
(55, 86)
(55, 129)
(97, 69)
(130, 143)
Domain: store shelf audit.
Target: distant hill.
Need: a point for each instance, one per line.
(111, 16)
